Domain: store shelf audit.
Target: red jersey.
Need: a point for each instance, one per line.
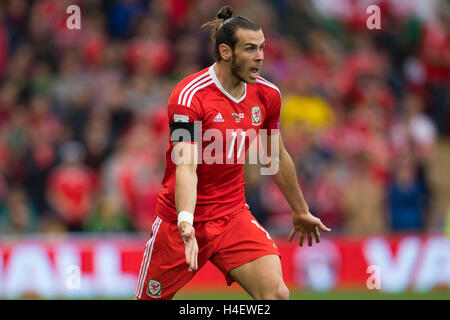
(73, 188)
(201, 98)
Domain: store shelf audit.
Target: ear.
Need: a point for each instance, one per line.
(225, 52)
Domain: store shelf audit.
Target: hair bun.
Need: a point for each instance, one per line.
(225, 13)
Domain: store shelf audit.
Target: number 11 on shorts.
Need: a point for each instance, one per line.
(257, 224)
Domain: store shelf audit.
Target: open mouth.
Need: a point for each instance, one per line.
(254, 71)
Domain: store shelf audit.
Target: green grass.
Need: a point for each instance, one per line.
(237, 294)
(311, 295)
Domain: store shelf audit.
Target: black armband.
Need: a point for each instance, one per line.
(182, 131)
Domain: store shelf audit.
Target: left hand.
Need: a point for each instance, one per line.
(307, 224)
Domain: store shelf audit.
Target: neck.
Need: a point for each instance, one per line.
(228, 81)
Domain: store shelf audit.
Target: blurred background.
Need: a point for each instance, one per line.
(83, 134)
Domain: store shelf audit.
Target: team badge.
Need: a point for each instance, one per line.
(256, 115)
(154, 288)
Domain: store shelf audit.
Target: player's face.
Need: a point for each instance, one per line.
(248, 55)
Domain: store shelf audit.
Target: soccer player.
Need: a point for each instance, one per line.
(201, 213)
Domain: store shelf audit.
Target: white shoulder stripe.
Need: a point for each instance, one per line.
(267, 83)
(187, 94)
(180, 97)
(196, 89)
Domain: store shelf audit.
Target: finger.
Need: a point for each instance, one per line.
(324, 228)
(190, 264)
(317, 234)
(188, 261)
(196, 256)
(188, 245)
(194, 261)
(292, 235)
(309, 239)
(187, 253)
(193, 257)
(302, 235)
(192, 253)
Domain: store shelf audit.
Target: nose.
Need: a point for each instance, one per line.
(259, 55)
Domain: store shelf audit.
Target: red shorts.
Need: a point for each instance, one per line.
(227, 242)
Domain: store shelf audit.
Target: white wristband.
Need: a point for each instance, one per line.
(185, 216)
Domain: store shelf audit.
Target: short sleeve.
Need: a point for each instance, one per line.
(180, 113)
(183, 122)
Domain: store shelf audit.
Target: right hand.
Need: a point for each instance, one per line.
(187, 232)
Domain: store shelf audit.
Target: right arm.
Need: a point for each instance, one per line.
(182, 124)
(186, 196)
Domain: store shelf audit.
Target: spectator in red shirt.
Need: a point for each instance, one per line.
(133, 173)
(71, 187)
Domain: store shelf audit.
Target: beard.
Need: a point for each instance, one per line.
(236, 68)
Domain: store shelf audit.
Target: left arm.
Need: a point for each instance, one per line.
(286, 180)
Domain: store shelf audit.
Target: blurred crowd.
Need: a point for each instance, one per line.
(83, 122)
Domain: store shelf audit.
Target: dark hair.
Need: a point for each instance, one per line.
(223, 29)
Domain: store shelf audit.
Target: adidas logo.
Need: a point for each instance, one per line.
(218, 118)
